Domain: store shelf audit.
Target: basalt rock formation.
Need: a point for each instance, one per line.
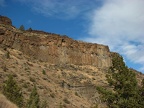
(5, 20)
(66, 72)
(53, 48)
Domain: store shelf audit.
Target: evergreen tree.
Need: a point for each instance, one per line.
(124, 84)
(12, 91)
(30, 29)
(22, 28)
(141, 96)
(33, 101)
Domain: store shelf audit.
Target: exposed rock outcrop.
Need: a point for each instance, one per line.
(54, 48)
(69, 75)
(5, 20)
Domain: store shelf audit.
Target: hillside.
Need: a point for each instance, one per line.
(65, 71)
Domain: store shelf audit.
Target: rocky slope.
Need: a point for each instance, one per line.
(65, 71)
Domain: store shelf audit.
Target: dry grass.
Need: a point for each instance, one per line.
(79, 81)
(5, 103)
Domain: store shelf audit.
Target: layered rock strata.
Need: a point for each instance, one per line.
(53, 48)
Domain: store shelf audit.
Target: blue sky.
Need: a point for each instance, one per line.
(116, 23)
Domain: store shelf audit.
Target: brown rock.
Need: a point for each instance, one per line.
(2, 32)
(56, 49)
(5, 20)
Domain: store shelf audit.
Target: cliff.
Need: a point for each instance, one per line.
(53, 48)
(66, 72)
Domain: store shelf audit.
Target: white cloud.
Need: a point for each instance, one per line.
(117, 23)
(2, 3)
(61, 8)
(120, 24)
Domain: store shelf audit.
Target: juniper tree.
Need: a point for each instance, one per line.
(12, 91)
(124, 84)
(22, 28)
(141, 94)
(30, 29)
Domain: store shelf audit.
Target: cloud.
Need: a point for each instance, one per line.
(117, 23)
(120, 24)
(2, 3)
(61, 8)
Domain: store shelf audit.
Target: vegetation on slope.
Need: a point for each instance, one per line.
(126, 93)
(34, 101)
(63, 85)
(12, 91)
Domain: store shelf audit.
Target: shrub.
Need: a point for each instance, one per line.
(44, 72)
(8, 55)
(34, 101)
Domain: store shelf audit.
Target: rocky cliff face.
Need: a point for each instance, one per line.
(70, 73)
(53, 48)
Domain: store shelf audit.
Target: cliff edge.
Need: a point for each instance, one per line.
(53, 48)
